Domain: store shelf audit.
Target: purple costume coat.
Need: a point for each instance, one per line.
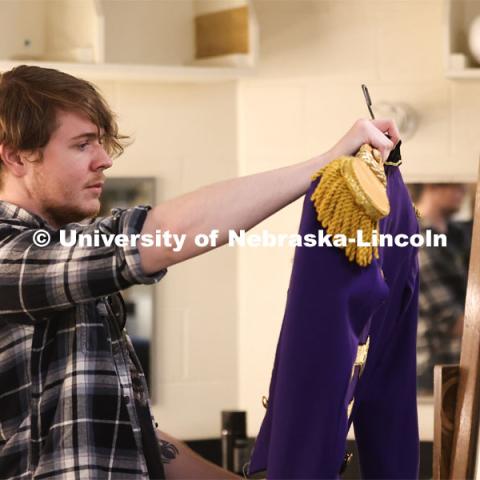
(332, 306)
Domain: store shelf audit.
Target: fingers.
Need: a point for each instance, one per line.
(374, 133)
(378, 140)
(386, 125)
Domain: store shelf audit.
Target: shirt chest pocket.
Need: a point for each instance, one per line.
(92, 330)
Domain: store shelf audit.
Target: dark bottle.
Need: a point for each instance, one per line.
(234, 440)
(241, 455)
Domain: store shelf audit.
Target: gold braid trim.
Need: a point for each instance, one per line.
(344, 207)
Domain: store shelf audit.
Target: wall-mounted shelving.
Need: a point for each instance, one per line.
(131, 41)
(141, 73)
(460, 63)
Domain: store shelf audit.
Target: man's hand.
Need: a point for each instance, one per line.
(367, 131)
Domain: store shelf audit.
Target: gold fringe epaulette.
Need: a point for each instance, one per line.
(351, 197)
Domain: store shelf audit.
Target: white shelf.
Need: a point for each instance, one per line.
(141, 73)
(459, 62)
(463, 74)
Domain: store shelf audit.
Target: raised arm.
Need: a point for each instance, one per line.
(242, 203)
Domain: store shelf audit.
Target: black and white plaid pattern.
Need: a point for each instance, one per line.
(67, 405)
(443, 279)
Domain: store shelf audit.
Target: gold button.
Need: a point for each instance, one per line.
(350, 407)
(361, 358)
(265, 401)
(362, 353)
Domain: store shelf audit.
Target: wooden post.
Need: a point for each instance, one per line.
(467, 408)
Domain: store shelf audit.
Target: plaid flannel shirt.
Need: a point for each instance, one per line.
(443, 282)
(68, 376)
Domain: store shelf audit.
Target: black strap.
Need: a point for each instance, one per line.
(151, 447)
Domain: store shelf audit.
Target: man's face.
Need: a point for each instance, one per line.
(73, 161)
(450, 197)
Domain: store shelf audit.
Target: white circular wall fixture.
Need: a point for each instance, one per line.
(404, 115)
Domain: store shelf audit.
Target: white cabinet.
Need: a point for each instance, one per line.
(459, 61)
(130, 39)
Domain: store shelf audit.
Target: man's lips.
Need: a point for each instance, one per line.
(95, 185)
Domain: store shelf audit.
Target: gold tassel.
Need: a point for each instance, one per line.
(350, 197)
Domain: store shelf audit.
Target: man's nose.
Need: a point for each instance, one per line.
(102, 160)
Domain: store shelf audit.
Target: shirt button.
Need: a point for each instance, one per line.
(126, 399)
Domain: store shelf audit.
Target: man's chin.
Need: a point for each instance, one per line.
(94, 210)
(64, 215)
(89, 213)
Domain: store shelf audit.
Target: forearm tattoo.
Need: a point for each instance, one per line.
(168, 451)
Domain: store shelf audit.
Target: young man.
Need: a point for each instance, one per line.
(73, 398)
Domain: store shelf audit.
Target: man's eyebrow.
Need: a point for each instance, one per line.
(89, 135)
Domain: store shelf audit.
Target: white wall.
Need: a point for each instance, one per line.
(22, 22)
(185, 136)
(149, 31)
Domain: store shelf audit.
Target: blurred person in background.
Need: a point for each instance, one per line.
(443, 280)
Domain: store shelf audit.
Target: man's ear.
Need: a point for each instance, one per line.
(14, 160)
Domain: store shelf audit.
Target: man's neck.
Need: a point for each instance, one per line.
(27, 203)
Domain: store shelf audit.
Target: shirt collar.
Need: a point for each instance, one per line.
(11, 211)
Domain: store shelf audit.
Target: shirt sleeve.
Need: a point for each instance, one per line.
(35, 281)
(385, 413)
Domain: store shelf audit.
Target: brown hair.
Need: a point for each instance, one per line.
(30, 98)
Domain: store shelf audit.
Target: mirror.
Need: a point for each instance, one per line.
(444, 208)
